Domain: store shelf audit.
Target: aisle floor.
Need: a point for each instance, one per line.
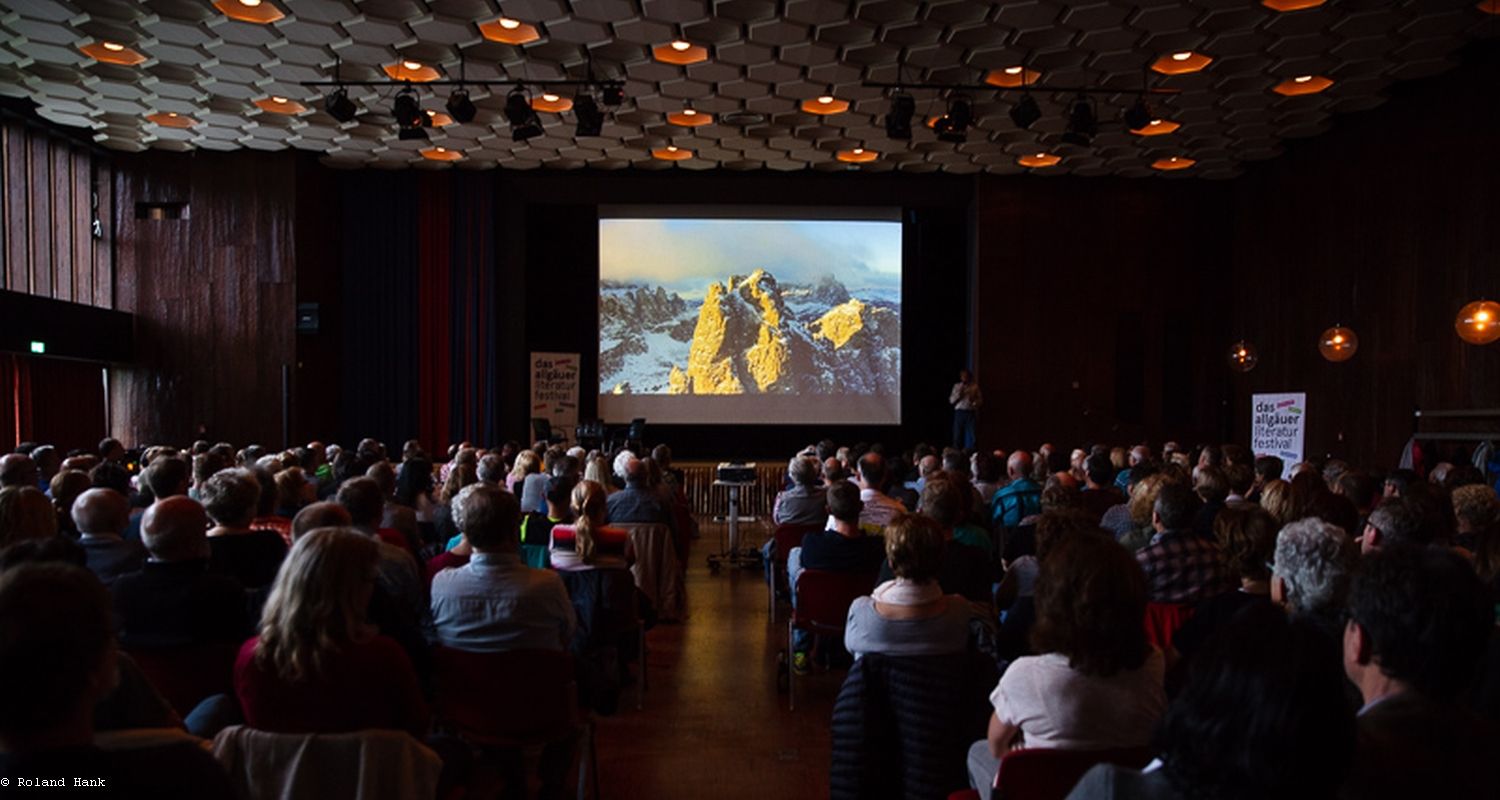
(714, 725)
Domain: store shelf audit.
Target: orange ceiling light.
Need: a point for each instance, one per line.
(551, 103)
(1012, 77)
(680, 52)
(280, 105)
(858, 155)
(438, 119)
(1291, 5)
(825, 104)
(1158, 127)
(690, 118)
(260, 12)
(507, 30)
(671, 153)
(441, 154)
(408, 70)
(1181, 62)
(112, 53)
(172, 119)
(1039, 160)
(1489, 6)
(1173, 164)
(1302, 84)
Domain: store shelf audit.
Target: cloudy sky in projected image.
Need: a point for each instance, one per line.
(685, 255)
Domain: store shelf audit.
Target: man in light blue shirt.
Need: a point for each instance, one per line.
(495, 602)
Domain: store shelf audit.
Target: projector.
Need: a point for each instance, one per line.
(735, 473)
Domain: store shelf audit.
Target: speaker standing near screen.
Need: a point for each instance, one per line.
(965, 399)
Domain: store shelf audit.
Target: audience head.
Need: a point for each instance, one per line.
(1313, 566)
(1475, 508)
(1276, 498)
(230, 497)
(1176, 507)
(167, 476)
(985, 467)
(1360, 487)
(460, 476)
(1099, 470)
(18, 470)
(559, 496)
(1055, 526)
(364, 501)
(914, 548)
(1247, 536)
(101, 512)
(1143, 498)
(1262, 714)
(384, 476)
(1018, 466)
(25, 513)
(944, 501)
(1090, 599)
(57, 655)
(1418, 617)
(318, 602)
(1434, 506)
(66, 486)
(597, 470)
(636, 472)
(1240, 478)
(491, 469)
(872, 471)
(1059, 493)
(844, 503)
(325, 514)
(175, 529)
(588, 506)
(111, 475)
(662, 455)
(1396, 482)
(1267, 469)
(110, 449)
(834, 472)
(1211, 484)
(804, 471)
(489, 517)
(1396, 523)
(294, 490)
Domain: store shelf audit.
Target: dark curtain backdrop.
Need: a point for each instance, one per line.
(418, 296)
(50, 401)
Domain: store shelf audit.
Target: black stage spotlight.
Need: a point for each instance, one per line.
(612, 93)
(339, 106)
(407, 110)
(590, 118)
(460, 107)
(524, 122)
(1083, 123)
(954, 125)
(1138, 115)
(898, 119)
(1025, 112)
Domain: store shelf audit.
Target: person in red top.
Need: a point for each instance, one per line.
(589, 543)
(316, 667)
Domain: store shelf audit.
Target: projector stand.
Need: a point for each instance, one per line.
(734, 555)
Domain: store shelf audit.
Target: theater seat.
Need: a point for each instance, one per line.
(1163, 620)
(1045, 774)
(363, 765)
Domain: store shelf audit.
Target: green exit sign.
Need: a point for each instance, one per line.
(38, 347)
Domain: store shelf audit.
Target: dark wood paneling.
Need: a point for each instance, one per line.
(213, 295)
(49, 248)
(1388, 225)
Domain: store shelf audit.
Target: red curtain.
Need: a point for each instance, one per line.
(15, 404)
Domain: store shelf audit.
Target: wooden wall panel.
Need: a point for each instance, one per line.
(213, 294)
(1387, 225)
(49, 248)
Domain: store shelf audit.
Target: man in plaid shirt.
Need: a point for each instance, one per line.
(1181, 567)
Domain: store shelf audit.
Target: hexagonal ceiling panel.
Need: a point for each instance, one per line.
(1236, 77)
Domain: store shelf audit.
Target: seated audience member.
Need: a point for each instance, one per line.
(111, 475)
(587, 542)
(266, 518)
(1135, 531)
(495, 602)
(175, 599)
(315, 666)
(536, 529)
(638, 502)
(491, 470)
(25, 513)
(18, 470)
(804, 503)
(597, 470)
(65, 488)
(1212, 488)
(1310, 576)
(1362, 490)
(843, 547)
(1396, 482)
(1398, 522)
(100, 516)
(1417, 629)
(294, 491)
(1097, 683)
(1477, 511)
(1262, 715)
(322, 514)
(1276, 498)
(987, 477)
(527, 462)
(910, 615)
(1240, 478)
(879, 508)
(414, 486)
(1016, 594)
(443, 525)
(946, 501)
(400, 607)
(532, 491)
(1099, 494)
(1247, 536)
(1021, 497)
(1181, 567)
(394, 516)
(250, 556)
(58, 661)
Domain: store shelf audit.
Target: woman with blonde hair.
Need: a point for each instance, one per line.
(316, 666)
(597, 470)
(527, 462)
(588, 543)
(1142, 500)
(1276, 497)
(444, 528)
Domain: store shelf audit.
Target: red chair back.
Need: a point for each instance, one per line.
(516, 698)
(1163, 620)
(187, 674)
(823, 598)
(789, 536)
(1043, 774)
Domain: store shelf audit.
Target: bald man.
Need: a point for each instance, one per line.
(173, 600)
(100, 516)
(1019, 499)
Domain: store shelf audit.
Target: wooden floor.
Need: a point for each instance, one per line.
(714, 725)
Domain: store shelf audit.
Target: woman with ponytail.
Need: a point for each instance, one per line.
(588, 543)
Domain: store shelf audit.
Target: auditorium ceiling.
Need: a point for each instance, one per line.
(1231, 80)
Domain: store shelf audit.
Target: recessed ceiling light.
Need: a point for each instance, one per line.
(113, 47)
(1039, 160)
(689, 112)
(412, 65)
(679, 52)
(1173, 163)
(671, 148)
(1302, 84)
(681, 45)
(859, 151)
(255, 12)
(509, 30)
(1013, 70)
(858, 155)
(1303, 78)
(1181, 62)
(276, 99)
(250, 3)
(826, 99)
(549, 97)
(1183, 56)
(509, 24)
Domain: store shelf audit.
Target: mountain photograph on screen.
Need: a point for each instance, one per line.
(749, 306)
